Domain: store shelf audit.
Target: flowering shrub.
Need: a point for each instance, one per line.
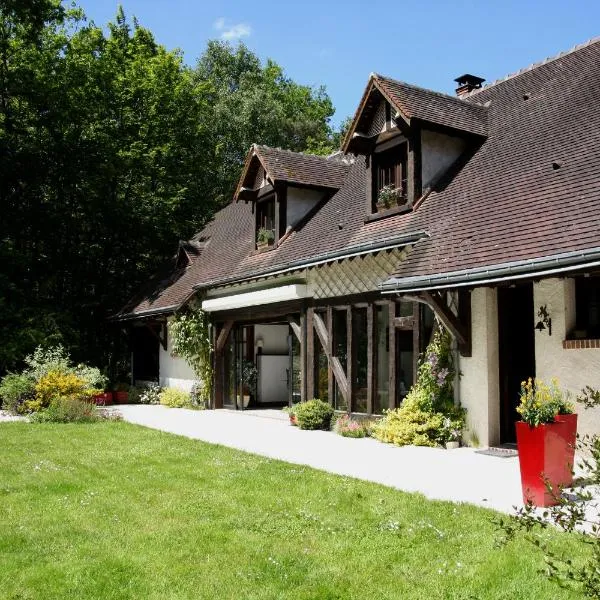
(428, 415)
(190, 337)
(349, 427)
(58, 386)
(150, 394)
(541, 403)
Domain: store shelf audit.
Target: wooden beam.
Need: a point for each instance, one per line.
(336, 366)
(350, 358)
(310, 354)
(392, 354)
(370, 357)
(416, 339)
(296, 328)
(223, 335)
(330, 375)
(450, 321)
(303, 361)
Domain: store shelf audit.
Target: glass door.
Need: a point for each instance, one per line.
(294, 371)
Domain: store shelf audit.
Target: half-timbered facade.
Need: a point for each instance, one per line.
(325, 272)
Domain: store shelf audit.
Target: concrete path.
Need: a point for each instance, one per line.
(457, 475)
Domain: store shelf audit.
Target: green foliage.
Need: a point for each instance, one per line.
(541, 403)
(313, 414)
(265, 236)
(190, 337)
(46, 360)
(575, 511)
(15, 389)
(428, 415)
(197, 400)
(175, 398)
(107, 142)
(67, 410)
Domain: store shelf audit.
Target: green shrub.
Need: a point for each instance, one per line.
(92, 376)
(15, 390)
(313, 414)
(428, 416)
(67, 410)
(175, 398)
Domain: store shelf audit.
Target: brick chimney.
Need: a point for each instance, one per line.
(467, 83)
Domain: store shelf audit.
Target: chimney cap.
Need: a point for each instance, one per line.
(470, 80)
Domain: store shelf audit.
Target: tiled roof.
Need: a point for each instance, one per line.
(530, 190)
(304, 169)
(432, 107)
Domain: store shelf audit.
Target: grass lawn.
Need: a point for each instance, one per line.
(112, 510)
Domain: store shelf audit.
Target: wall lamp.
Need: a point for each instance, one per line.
(545, 321)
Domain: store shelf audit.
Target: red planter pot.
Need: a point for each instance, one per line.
(293, 420)
(103, 399)
(121, 397)
(546, 454)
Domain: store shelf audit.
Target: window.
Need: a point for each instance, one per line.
(360, 370)
(265, 222)
(381, 398)
(587, 307)
(390, 185)
(340, 350)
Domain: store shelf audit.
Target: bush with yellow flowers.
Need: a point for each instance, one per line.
(541, 402)
(56, 386)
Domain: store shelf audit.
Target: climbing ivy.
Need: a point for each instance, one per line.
(190, 339)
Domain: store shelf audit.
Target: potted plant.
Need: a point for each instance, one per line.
(121, 393)
(249, 376)
(291, 412)
(546, 438)
(388, 196)
(452, 432)
(264, 238)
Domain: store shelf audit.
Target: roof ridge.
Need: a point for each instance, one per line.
(534, 65)
(424, 89)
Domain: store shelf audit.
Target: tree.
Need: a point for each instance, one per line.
(111, 150)
(256, 103)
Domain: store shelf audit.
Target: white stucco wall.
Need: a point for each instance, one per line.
(574, 368)
(299, 202)
(174, 371)
(439, 151)
(274, 338)
(479, 384)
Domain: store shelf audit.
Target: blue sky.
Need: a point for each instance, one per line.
(337, 44)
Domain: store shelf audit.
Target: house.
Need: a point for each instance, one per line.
(326, 272)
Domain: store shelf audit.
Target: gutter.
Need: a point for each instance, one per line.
(146, 313)
(366, 248)
(524, 269)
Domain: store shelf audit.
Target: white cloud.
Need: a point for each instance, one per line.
(232, 32)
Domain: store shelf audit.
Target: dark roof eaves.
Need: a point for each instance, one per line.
(384, 244)
(522, 269)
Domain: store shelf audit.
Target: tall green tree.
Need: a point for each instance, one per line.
(256, 103)
(112, 149)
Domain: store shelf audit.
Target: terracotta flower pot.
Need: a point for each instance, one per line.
(546, 455)
(293, 420)
(103, 399)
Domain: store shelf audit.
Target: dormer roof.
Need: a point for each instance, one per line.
(412, 103)
(290, 167)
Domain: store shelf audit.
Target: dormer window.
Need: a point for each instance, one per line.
(265, 223)
(389, 181)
